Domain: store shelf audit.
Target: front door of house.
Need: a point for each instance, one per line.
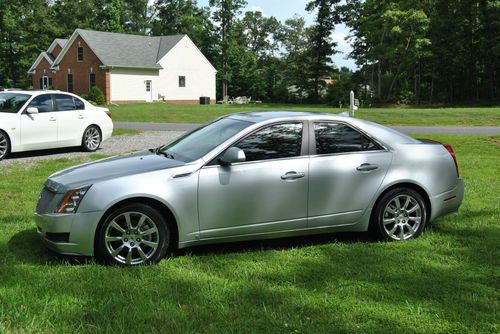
(149, 91)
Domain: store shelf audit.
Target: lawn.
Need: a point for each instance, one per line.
(446, 281)
(163, 112)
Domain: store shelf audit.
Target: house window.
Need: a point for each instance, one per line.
(79, 53)
(45, 82)
(148, 85)
(70, 83)
(182, 81)
(91, 80)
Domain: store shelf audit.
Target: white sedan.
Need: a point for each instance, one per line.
(37, 120)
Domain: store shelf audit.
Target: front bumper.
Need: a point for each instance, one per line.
(69, 234)
(447, 202)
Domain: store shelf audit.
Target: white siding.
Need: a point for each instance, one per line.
(130, 84)
(185, 59)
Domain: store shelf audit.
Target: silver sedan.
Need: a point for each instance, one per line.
(250, 176)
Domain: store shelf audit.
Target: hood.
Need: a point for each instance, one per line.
(90, 173)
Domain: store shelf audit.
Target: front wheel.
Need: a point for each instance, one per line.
(91, 139)
(132, 235)
(399, 215)
(4, 145)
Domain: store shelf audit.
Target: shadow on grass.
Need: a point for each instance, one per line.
(44, 153)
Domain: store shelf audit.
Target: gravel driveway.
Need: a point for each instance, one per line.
(113, 146)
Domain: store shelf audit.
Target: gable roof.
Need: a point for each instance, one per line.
(123, 50)
(41, 56)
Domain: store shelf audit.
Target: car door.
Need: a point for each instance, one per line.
(70, 125)
(39, 131)
(346, 169)
(266, 193)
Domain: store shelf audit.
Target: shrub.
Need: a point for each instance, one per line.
(96, 95)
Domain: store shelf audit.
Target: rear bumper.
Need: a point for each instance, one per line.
(69, 234)
(447, 202)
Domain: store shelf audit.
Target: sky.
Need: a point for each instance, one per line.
(284, 9)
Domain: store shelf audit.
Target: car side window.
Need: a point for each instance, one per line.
(43, 103)
(339, 138)
(64, 102)
(79, 105)
(273, 142)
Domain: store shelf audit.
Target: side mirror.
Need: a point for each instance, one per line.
(32, 110)
(232, 155)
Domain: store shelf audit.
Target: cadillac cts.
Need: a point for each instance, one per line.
(250, 176)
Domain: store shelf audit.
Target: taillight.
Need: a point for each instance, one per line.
(450, 149)
(110, 114)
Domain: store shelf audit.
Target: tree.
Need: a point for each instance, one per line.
(225, 14)
(322, 47)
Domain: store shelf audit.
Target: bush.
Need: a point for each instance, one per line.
(96, 95)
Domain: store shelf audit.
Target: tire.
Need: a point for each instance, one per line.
(4, 145)
(91, 139)
(400, 214)
(142, 238)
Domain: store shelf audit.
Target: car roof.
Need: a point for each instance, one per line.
(32, 92)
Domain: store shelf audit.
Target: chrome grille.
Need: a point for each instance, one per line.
(46, 197)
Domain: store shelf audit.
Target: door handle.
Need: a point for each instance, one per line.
(81, 117)
(52, 119)
(292, 175)
(366, 167)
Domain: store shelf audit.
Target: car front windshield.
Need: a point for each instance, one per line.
(12, 102)
(199, 142)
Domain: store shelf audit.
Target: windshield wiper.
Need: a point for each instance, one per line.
(165, 153)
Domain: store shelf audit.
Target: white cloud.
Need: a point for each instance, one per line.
(256, 9)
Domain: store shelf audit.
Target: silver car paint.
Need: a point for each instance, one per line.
(216, 203)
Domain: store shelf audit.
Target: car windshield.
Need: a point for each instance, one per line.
(12, 102)
(199, 142)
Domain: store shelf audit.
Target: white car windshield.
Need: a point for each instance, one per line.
(12, 102)
(199, 142)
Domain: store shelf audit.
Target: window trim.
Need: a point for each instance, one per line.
(78, 48)
(304, 150)
(312, 141)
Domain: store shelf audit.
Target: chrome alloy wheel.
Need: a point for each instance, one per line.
(402, 217)
(92, 138)
(4, 145)
(132, 238)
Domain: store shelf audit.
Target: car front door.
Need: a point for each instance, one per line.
(346, 170)
(266, 193)
(39, 131)
(71, 119)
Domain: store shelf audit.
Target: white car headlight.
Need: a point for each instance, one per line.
(71, 200)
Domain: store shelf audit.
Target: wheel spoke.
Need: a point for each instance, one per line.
(115, 225)
(414, 208)
(150, 243)
(398, 204)
(390, 210)
(150, 231)
(407, 202)
(401, 233)
(143, 255)
(141, 221)
(415, 219)
(112, 239)
(410, 228)
(393, 229)
(129, 256)
(388, 221)
(128, 221)
(117, 251)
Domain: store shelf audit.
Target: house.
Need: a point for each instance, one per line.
(127, 68)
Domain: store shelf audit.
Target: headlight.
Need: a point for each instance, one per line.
(72, 200)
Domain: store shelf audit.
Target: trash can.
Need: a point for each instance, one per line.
(204, 100)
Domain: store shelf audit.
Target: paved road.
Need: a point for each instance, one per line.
(457, 130)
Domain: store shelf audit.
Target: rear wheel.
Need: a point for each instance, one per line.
(400, 215)
(4, 145)
(91, 139)
(132, 235)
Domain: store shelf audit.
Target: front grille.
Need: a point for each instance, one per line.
(46, 197)
(57, 237)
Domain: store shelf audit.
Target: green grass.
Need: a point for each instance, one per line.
(162, 112)
(446, 281)
(125, 132)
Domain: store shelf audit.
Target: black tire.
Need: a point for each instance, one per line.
(91, 139)
(390, 223)
(133, 239)
(4, 145)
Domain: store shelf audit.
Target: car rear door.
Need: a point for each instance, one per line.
(267, 193)
(346, 170)
(71, 120)
(39, 131)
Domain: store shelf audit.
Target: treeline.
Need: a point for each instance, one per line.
(407, 51)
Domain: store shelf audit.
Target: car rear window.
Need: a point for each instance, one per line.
(64, 102)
